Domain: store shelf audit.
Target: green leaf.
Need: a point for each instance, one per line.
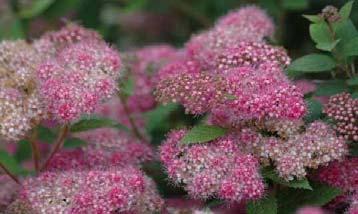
(45, 135)
(203, 133)
(327, 46)
(295, 5)
(351, 47)
(355, 95)
(266, 205)
(353, 149)
(353, 81)
(330, 87)
(291, 199)
(270, 174)
(313, 18)
(61, 7)
(74, 142)
(94, 123)
(36, 8)
(10, 163)
(314, 110)
(155, 118)
(345, 31)
(313, 63)
(128, 87)
(23, 151)
(320, 33)
(345, 11)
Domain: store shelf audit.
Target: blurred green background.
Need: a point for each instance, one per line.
(135, 23)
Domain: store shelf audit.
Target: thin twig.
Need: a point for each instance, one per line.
(12, 176)
(131, 121)
(35, 150)
(57, 146)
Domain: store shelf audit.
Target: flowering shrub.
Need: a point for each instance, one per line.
(228, 123)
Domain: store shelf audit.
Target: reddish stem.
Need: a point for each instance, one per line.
(12, 176)
(35, 150)
(57, 146)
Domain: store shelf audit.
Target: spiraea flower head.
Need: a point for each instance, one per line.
(78, 79)
(343, 109)
(310, 210)
(316, 146)
(53, 42)
(217, 168)
(20, 105)
(94, 191)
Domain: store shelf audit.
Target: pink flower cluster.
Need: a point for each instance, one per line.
(242, 78)
(217, 168)
(343, 109)
(20, 105)
(94, 191)
(105, 147)
(78, 78)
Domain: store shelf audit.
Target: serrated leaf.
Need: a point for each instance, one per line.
(94, 123)
(351, 47)
(291, 199)
(35, 9)
(73, 142)
(345, 11)
(203, 133)
(266, 205)
(313, 18)
(314, 110)
(330, 87)
(270, 174)
(295, 5)
(313, 63)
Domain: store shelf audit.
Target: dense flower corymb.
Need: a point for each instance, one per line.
(343, 109)
(217, 168)
(78, 79)
(94, 191)
(20, 106)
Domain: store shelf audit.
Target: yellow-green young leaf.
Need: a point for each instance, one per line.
(345, 11)
(265, 205)
(295, 5)
(35, 9)
(313, 63)
(331, 87)
(314, 110)
(314, 18)
(351, 47)
(94, 123)
(203, 133)
(270, 174)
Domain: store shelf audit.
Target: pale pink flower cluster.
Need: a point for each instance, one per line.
(20, 105)
(310, 210)
(316, 146)
(216, 168)
(343, 109)
(92, 191)
(78, 79)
